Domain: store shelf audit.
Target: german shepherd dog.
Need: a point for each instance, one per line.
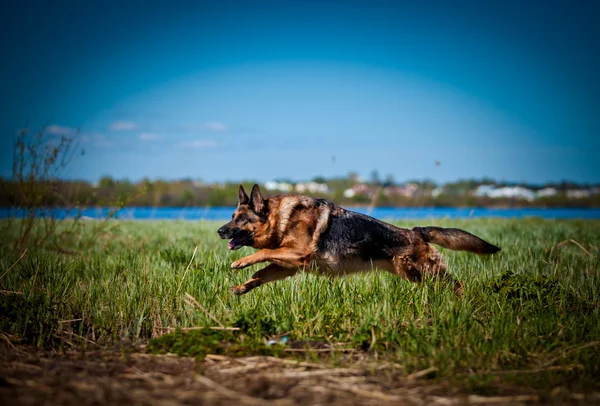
(298, 232)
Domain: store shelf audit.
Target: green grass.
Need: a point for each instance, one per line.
(533, 306)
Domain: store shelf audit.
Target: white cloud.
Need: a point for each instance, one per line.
(97, 140)
(198, 128)
(60, 130)
(199, 144)
(123, 126)
(215, 126)
(149, 137)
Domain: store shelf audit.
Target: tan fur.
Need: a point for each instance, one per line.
(289, 238)
(286, 207)
(322, 222)
(294, 227)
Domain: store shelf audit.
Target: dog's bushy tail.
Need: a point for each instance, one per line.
(456, 239)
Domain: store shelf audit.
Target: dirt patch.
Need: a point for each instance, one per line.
(29, 376)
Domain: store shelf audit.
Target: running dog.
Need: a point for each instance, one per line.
(298, 232)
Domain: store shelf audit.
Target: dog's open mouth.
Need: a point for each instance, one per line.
(238, 242)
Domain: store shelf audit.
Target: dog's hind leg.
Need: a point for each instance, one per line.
(416, 270)
(433, 264)
(405, 267)
(270, 273)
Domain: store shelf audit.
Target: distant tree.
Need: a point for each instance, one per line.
(487, 181)
(389, 180)
(188, 196)
(375, 177)
(106, 182)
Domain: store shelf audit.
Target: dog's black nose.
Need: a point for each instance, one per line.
(223, 232)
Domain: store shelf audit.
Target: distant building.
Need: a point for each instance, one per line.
(281, 186)
(408, 190)
(513, 192)
(546, 192)
(312, 187)
(484, 190)
(363, 189)
(579, 193)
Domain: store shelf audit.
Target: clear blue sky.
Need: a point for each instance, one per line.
(264, 90)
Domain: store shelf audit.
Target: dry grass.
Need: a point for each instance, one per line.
(33, 377)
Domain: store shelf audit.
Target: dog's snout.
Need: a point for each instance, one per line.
(224, 232)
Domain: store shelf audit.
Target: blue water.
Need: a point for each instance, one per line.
(385, 213)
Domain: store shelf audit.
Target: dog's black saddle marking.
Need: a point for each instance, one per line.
(355, 234)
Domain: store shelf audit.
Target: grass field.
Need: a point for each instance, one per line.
(529, 314)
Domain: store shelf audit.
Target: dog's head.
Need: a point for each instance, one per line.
(249, 216)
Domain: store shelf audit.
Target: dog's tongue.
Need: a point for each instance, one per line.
(233, 244)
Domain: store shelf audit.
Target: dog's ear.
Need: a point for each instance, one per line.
(242, 196)
(256, 199)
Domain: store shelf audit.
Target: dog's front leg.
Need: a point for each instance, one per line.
(284, 257)
(269, 273)
(255, 258)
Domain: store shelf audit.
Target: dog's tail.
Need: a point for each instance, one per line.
(456, 239)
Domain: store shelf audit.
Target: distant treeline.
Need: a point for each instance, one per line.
(158, 193)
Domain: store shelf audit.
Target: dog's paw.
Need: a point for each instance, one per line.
(239, 264)
(459, 288)
(239, 289)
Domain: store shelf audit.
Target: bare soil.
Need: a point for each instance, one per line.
(29, 376)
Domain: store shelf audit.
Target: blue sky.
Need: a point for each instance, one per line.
(264, 90)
